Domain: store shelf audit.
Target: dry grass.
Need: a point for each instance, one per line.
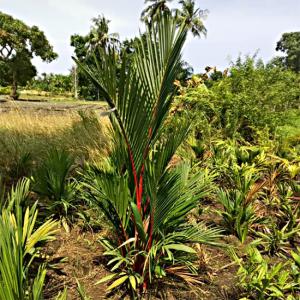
(26, 137)
(37, 123)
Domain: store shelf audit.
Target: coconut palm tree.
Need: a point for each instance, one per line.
(192, 17)
(99, 35)
(145, 196)
(150, 13)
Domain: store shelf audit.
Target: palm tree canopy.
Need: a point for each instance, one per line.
(152, 11)
(142, 92)
(192, 16)
(99, 34)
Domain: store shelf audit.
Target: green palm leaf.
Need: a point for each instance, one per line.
(19, 244)
(142, 92)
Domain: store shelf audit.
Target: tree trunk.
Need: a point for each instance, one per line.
(14, 91)
(75, 82)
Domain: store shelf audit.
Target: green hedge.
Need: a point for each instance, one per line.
(5, 90)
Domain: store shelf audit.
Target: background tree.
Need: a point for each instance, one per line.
(85, 47)
(151, 12)
(53, 83)
(187, 13)
(241, 101)
(98, 36)
(18, 44)
(192, 16)
(290, 45)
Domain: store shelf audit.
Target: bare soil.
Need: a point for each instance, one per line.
(83, 261)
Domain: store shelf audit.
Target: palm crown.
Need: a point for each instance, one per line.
(150, 13)
(192, 17)
(99, 35)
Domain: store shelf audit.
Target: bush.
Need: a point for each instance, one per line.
(263, 279)
(52, 182)
(252, 97)
(5, 90)
(52, 83)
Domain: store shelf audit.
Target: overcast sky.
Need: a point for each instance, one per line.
(234, 26)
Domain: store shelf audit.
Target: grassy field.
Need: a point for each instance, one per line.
(39, 96)
(26, 137)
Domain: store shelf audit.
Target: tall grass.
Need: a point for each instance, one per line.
(25, 139)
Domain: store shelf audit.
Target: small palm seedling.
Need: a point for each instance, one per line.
(263, 280)
(52, 181)
(144, 196)
(63, 295)
(237, 215)
(19, 245)
(81, 291)
(296, 266)
(275, 240)
(288, 207)
(238, 211)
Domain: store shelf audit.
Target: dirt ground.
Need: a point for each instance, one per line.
(82, 260)
(80, 256)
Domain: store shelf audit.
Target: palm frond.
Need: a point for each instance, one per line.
(142, 94)
(110, 192)
(50, 178)
(178, 194)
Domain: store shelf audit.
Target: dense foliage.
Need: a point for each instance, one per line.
(53, 83)
(180, 185)
(289, 44)
(86, 47)
(252, 97)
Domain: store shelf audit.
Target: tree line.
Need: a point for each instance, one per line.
(19, 43)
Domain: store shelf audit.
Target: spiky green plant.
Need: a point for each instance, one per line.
(19, 245)
(52, 182)
(238, 209)
(276, 240)
(143, 192)
(263, 279)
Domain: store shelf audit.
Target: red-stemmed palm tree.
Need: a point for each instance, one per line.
(146, 198)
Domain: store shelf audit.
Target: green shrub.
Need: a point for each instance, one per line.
(263, 279)
(252, 97)
(52, 181)
(237, 202)
(5, 90)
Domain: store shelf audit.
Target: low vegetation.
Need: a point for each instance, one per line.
(181, 187)
(26, 138)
